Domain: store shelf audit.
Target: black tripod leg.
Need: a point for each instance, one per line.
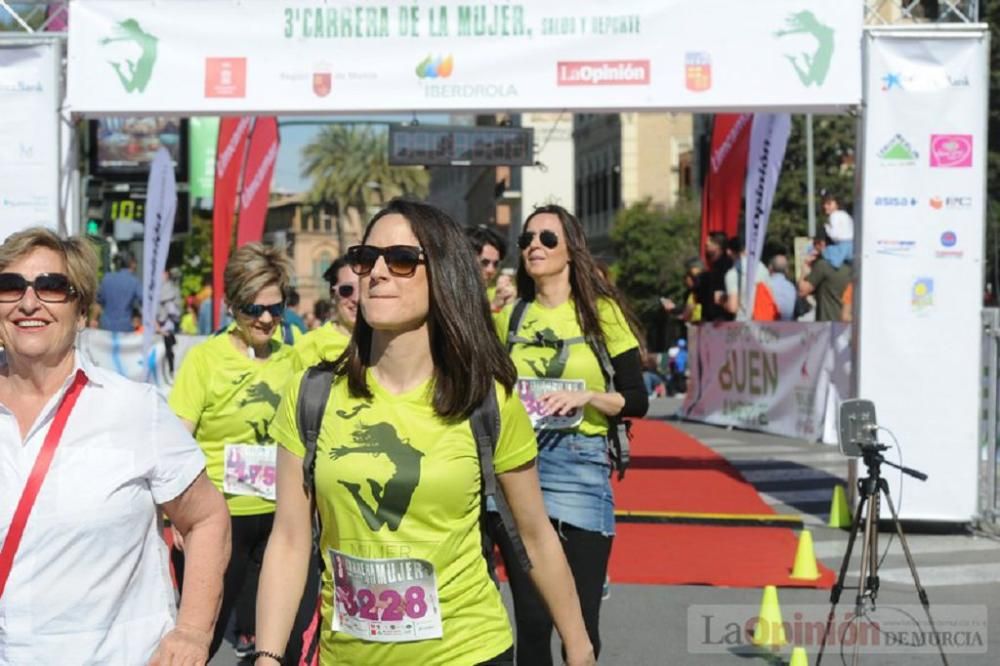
(838, 587)
(921, 592)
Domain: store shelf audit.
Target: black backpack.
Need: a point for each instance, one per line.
(619, 429)
(314, 391)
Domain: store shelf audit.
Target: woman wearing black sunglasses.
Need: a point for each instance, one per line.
(397, 478)
(567, 313)
(85, 569)
(330, 340)
(226, 392)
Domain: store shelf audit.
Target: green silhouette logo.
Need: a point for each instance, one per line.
(133, 69)
(392, 499)
(811, 68)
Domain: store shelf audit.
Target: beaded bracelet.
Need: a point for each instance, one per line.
(264, 653)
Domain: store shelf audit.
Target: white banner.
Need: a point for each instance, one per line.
(161, 206)
(922, 231)
(29, 135)
(122, 353)
(773, 377)
(768, 140)
(303, 56)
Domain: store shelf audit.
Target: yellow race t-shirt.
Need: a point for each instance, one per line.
(395, 480)
(231, 399)
(559, 323)
(325, 343)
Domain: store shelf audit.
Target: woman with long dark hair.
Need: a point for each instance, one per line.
(569, 316)
(397, 477)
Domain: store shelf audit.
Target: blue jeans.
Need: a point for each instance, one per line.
(575, 472)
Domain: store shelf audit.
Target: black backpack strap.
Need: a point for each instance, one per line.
(618, 428)
(514, 323)
(485, 421)
(314, 391)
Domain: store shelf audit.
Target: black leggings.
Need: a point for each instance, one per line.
(588, 554)
(249, 537)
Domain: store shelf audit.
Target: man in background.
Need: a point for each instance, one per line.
(782, 288)
(119, 294)
(491, 249)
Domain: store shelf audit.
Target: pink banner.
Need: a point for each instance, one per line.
(727, 170)
(228, 168)
(261, 157)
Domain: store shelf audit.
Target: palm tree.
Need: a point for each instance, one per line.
(348, 165)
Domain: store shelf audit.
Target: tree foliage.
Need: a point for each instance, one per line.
(349, 167)
(991, 15)
(651, 246)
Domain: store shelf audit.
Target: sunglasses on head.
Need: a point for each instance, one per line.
(48, 287)
(547, 238)
(344, 290)
(401, 260)
(256, 310)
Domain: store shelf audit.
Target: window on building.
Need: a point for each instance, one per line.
(616, 187)
(320, 264)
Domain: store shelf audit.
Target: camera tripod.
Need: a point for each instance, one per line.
(871, 488)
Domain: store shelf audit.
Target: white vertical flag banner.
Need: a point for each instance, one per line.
(29, 135)
(161, 205)
(921, 256)
(768, 140)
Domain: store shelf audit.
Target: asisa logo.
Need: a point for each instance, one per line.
(436, 68)
(895, 202)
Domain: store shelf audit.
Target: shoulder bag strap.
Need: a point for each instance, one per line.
(38, 473)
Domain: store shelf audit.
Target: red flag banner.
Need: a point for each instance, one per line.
(723, 192)
(261, 156)
(228, 167)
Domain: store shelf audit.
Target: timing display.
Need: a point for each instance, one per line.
(430, 145)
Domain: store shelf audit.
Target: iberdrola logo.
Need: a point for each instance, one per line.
(133, 60)
(813, 67)
(434, 68)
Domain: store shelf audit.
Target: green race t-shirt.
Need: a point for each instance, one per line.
(231, 399)
(559, 323)
(395, 480)
(325, 343)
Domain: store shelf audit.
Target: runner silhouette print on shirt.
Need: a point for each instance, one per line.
(261, 393)
(554, 366)
(392, 498)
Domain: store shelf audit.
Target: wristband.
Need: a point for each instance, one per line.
(264, 653)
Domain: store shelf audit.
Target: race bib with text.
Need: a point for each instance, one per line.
(530, 389)
(250, 469)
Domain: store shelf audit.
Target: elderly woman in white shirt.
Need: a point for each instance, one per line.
(88, 459)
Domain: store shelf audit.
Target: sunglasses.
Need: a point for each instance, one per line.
(256, 311)
(49, 287)
(401, 260)
(486, 263)
(547, 238)
(344, 290)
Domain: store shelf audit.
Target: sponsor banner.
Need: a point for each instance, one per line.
(301, 56)
(230, 152)
(902, 630)
(29, 135)
(723, 195)
(123, 353)
(204, 135)
(768, 139)
(921, 258)
(262, 154)
(161, 206)
(773, 377)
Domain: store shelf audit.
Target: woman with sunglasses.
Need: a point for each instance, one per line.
(226, 392)
(328, 341)
(83, 578)
(569, 311)
(397, 477)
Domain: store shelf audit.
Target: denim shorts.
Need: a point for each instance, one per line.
(574, 471)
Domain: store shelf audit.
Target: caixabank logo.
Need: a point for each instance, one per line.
(432, 69)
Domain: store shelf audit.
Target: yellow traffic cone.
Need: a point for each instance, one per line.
(805, 559)
(840, 513)
(799, 657)
(770, 630)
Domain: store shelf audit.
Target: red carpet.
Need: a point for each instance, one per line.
(673, 472)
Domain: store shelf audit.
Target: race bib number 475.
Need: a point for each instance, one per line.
(385, 600)
(250, 469)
